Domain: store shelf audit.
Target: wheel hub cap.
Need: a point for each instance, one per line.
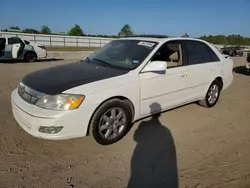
(112, 123)
(213, 94)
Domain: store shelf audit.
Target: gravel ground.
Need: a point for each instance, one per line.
(190, 147)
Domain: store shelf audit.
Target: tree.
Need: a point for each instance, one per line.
(15, 27)
(45, 30)
(227, 40)
(125, 31)
(185, 35)
(29, 30)
(76, 31)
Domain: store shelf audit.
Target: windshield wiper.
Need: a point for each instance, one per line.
(111, 65)
(104, 62)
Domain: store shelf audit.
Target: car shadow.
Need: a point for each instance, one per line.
(37, 61)
(154, 162)
(241, 70)
(49, 59)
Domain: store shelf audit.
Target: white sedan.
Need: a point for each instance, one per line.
(15, 48)
(124, 81)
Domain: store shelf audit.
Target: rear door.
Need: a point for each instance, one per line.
(203, 66)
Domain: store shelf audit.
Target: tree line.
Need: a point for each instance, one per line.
(227, 40)
(76, 30)
(126, 30)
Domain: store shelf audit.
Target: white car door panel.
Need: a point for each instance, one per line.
(15, 49)
(202, 68)
(168, 90)
(199, 78)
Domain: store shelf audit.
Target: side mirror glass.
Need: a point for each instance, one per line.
(156, 66)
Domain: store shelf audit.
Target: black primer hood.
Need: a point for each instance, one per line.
(57, 79)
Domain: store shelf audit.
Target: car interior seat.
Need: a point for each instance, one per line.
(174, 59)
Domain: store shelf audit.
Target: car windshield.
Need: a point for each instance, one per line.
(124, 54)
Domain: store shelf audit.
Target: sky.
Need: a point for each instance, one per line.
(169, 17)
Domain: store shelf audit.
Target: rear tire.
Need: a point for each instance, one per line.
(213, 95)
(111, 122)
(30, 56)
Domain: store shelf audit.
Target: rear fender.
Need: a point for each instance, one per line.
(227, 72)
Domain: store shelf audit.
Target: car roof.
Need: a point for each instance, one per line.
(159, 38)
(151, 39)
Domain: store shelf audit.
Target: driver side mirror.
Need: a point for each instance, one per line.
(156, 66)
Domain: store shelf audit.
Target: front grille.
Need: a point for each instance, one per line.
(29, 95)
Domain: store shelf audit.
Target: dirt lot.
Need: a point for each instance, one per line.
(190, 147)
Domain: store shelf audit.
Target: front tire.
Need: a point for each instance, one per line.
(212, 96)
(30, 56)
(111, 122)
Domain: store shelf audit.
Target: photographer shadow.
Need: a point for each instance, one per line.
(154, 162)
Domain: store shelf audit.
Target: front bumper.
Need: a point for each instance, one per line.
(31, 118)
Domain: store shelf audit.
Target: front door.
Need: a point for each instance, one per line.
(8, 51)
(161, 91)
(17, 46)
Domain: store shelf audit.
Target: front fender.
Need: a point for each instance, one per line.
(130, 92)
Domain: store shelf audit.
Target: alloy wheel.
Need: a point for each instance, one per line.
(112, 123)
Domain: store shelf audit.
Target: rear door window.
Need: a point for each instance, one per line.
(199, 52)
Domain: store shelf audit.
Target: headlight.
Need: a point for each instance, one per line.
(60, 102)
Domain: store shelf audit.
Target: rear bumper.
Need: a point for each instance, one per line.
(228, 81)
(46, 54)
(42, 54)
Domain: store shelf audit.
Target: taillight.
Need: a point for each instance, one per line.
(43, 47)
